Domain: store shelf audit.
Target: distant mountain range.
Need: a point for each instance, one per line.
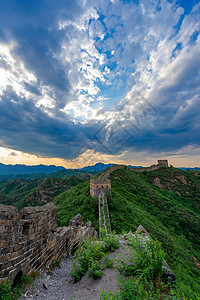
(97, 167)
(23, 169)
(185, 169)
(12, 170)
(101, 166)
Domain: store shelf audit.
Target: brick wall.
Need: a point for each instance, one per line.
(30, 239)
(113, 168)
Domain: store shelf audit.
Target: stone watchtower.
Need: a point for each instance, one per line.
(163, 162)
(96, 185)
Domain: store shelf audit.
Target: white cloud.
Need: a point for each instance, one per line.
(113, 53)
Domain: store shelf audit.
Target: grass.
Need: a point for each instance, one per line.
(136, 201)
(147, 258)
(170, 214)
(88, 257)
(171, 219)
(9, 292)
(141, 273)
(77, 200)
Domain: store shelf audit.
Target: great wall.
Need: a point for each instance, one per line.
(30, 239)
(99, 186)
(103, 183)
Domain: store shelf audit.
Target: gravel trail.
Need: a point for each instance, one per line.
(60, 286)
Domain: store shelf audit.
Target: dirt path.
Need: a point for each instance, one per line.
(61, 287)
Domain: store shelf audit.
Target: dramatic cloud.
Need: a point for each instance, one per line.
(111, 77)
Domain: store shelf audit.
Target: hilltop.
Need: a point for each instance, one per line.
(165, 201)
(21, 193)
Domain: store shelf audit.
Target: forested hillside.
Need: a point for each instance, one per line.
(21, 193)
(165, 201)
(169, 211)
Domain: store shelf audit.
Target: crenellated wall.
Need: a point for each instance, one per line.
(30, 239)
(96, 185)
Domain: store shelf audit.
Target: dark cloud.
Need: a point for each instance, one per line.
(34, 89)
(27, 128)
(33, 25)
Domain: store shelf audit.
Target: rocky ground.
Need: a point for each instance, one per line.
(60, 286)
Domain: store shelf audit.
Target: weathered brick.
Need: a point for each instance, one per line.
(30, 239)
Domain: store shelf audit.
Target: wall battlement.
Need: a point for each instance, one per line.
(30, 239)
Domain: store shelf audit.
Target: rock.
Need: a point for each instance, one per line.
(77, 234)
(75, 221)
(45, 285)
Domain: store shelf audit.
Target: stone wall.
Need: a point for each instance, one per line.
(96, 185)
(30, 239)
(160, 164)
(113, 168)
(104, 183)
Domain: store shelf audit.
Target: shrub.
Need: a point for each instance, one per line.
(145, 261)
(95, 270)
(107, 261)
(77, 272)
(132, 289)
(6, 292)
(91, 251)
(111, 242)
(110, 296)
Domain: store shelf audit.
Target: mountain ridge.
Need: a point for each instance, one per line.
(39, 170)
(26, 169)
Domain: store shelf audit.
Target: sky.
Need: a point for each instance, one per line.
(93, 81)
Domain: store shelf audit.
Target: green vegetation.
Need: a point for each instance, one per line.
(145, 261)
(89, 255)
(165, 201)
(35, 192)
(185, 185)
(95, 270)
(165, 215)
(172, 219)
(144, 269)
(9, 292)
(141, 274)
(132, 289)
(62, 174)
(107, 261)
(77, 200)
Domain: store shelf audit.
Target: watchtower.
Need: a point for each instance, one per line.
(96, 185)
(163, 162)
